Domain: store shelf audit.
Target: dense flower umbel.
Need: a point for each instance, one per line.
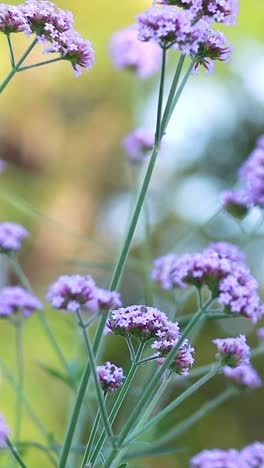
(11, 235)
(128, 52)
(253, 455)
(260, 334)
(233, 351)
(236, 202)
(12, 19)
(71, 292)
(4, 432)
(217, 458)
(184, 359)
(244, 376)
(252, 174)
(14, 300)
(111, 377)
(214, 48)
(226, 250)
(138, 144)
(169, 26)
(103, 300)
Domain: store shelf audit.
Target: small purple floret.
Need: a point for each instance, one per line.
(236, 202)
(11, 235)
(14, 300)
(111, 377)
(138, 144)
(71, 292)
(233, 351)
(4, 432)
(217, 458)
(244, 376)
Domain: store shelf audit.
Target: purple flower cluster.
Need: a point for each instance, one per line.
(251, 456)
(222, 269)
(138, 144)
(111, 377)
(128, 52)
(4, 432)
(215, 47)
(260, 334)
(233, 351)
(11, 235)
(244, 376)
(72, 292)
(236, 202)
(52, 26)
(14, 300)
(146, 323)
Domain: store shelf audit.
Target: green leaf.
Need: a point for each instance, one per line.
(67, 379)
(155, 452)
(124, 465)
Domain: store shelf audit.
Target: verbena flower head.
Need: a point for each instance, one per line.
(11, 235)
(71, 292)
(16, 300)
(244, 376)
(253, 455)
(260, 334)
(111, 377)
(226, 250)
(217, 458)
(12, 19)
(184, 359)
(4, 431)
(128, 52)
(103, 300)
(260, 142)
(236, 202)
(2, 166)
(169, 26)
(215, 47)
(138, 144)
(163, 269)
(233, 351)
(140, 321)
(252, 174)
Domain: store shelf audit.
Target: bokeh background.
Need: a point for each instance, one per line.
(68, 183)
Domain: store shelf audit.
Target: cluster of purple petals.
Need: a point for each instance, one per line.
(111, 377)
(15, 299)
(215, 47)
(233, 351)
(52, 26)
(252, 175)
(2, 166)
(236, 202)
(244, 376)
(221, 11)
(145, 322)
(251, 456)
(260, 334)
(222, 269)
(12, 20)
(4, 432)
(11, 235)
(128, 52)
(72, 292)
(138, 144)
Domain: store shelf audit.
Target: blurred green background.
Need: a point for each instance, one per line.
(68, 183)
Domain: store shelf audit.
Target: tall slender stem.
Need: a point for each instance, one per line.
(15, 453)
(12, 57)
(161, 92)
(89, 446)
(20, 377)
(40, 64)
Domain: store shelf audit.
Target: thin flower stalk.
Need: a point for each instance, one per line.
(15, 454)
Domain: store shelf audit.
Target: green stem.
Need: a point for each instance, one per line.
(119, 400)
(40, 64)
(15, 69)
(15, 453)
(91, 440)
(12, 57)
(158, 134)
(20, 377)
(41, 314)
(99, 391)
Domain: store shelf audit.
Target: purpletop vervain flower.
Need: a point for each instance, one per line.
(111, 377)
(184, 358)
(236, 202)
(128, 52)
(233, 351)
(71, 292)
(11, 235)
(12, 19)
(138, 144)
(226, 250)
(260, 142)
(214, 47)
(217, 458)
(252, 174)
(253, 455)
(4, 432)
(260, 334)
(2, 165)
(244, 376)
(103, 300)
(169, 26)
(16, 300)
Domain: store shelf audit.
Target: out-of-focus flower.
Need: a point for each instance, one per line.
(253, 455)
(233, 351)
(252, 174)
(16, 300)
(4, 431)
(103, 300)
(260, 142)
(217, 458)
(260, 334)
(138, 144)
(111, 377)
(214, 48)
(169, 26)
(245, 376)
(2, 166)
(184, 359)
(71, 292)
(12, 20)
(11, 235)
(227, 250)
(128, 52)
(236, 202)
